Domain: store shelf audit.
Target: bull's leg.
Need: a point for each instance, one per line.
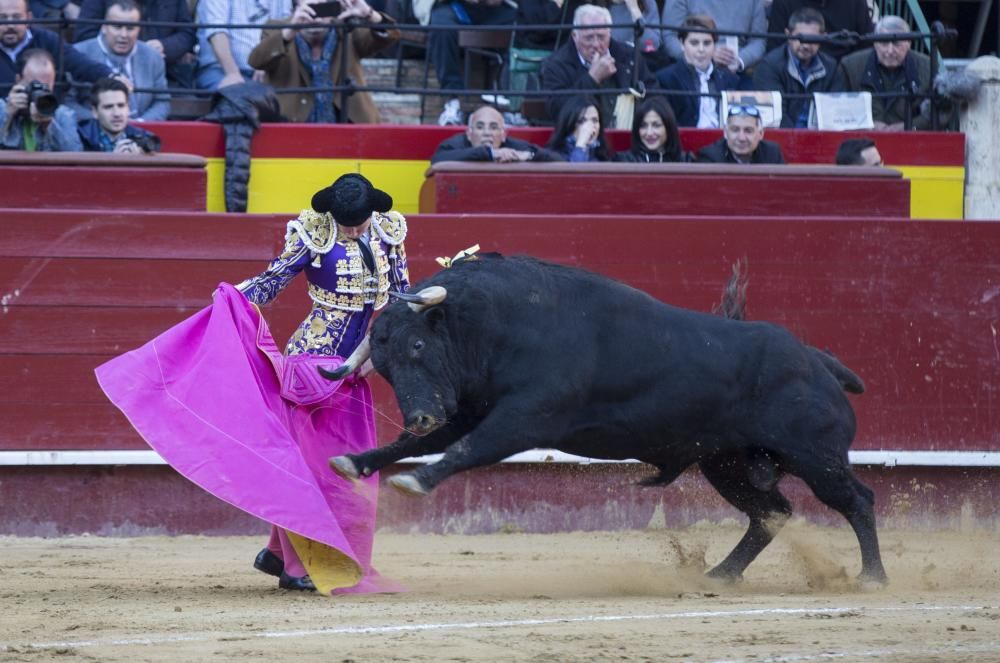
(489, 443)
(835, 485)
(768, 510)
(352, 466)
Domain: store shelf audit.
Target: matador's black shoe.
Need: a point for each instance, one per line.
(303, 584)
(269, 563)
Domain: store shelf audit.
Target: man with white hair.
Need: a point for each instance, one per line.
(592, 61)
(890, 66)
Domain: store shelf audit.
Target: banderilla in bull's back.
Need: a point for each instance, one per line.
(496, 355)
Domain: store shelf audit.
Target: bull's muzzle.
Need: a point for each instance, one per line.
(358, 357)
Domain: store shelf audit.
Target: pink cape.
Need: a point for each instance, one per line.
(219, 402)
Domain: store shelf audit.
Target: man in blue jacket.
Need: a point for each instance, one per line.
(15, 38)
(109, 130)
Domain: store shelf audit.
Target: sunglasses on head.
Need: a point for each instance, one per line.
(751, 111)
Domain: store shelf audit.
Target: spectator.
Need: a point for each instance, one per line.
(736, 15)
(852, 15)
(858, 152)
(118, 47)
(31, 119)
(175, 44)
(223, 52)
(486, 140)
(799, 68)
(592, 61)
(15, 38)
(655, 138)
(54, 9)
(742, 140)
(442, 45)
(311, 57)
(697, 73)
(890, 66)
(555, 12)
(108, 130)
(578, 135)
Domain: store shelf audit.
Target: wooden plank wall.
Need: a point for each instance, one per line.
(913, 307)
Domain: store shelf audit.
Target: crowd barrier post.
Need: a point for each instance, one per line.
(980, 122)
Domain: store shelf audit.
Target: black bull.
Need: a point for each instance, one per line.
(504, 355)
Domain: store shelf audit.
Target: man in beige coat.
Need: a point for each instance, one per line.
(311, 57)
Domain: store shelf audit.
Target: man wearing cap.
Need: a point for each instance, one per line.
(742, 140)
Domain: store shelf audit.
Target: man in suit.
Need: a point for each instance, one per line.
(592, 61)
(742, 140)
(175, 43)
(311, 57)
(135, 62)
(486, 140)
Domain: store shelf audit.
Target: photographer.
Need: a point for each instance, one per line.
(31, 118)
(109, 130)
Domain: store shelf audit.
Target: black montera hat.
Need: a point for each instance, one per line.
(351, 200)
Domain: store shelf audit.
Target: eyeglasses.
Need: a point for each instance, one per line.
(751, 111)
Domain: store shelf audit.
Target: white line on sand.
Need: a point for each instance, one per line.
(411, 628)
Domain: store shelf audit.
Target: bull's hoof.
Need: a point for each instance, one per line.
(724, 575)
(345, 467)
(407, 483)
(873, 582)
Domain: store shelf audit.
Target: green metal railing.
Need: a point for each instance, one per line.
(909, 11)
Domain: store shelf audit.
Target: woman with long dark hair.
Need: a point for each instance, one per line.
(655, 138)
(579, 132)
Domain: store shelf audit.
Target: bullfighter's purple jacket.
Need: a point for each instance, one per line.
(345, 293)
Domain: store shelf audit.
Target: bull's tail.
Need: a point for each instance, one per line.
(733, 304)
(849, 381)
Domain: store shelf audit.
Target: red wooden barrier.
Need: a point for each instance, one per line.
(107, 181)
(387, 141)
(695, 189)
(913, 307)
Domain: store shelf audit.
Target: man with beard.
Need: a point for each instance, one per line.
(134, 61)
(16, 38)
(108, 130)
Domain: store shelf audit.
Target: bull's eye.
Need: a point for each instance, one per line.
(418, 345)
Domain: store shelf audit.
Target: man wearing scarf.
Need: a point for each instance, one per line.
(313, 57)
(133, 62)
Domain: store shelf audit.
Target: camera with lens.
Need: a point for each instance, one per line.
(40, 95)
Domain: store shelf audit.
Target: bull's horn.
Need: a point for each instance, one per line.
(418, 301)
(358, 357)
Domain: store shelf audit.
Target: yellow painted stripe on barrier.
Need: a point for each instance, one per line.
(936, 192)
(285, 186)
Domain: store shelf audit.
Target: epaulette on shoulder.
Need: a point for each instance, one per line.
(316, 230)
(391, 227)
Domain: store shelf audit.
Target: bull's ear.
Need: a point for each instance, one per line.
(434, 315)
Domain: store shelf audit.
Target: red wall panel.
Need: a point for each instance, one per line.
(913, 307)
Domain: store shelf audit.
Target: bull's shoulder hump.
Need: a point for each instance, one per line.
(391, 227)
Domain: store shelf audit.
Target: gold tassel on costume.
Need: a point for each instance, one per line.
(461, 255)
